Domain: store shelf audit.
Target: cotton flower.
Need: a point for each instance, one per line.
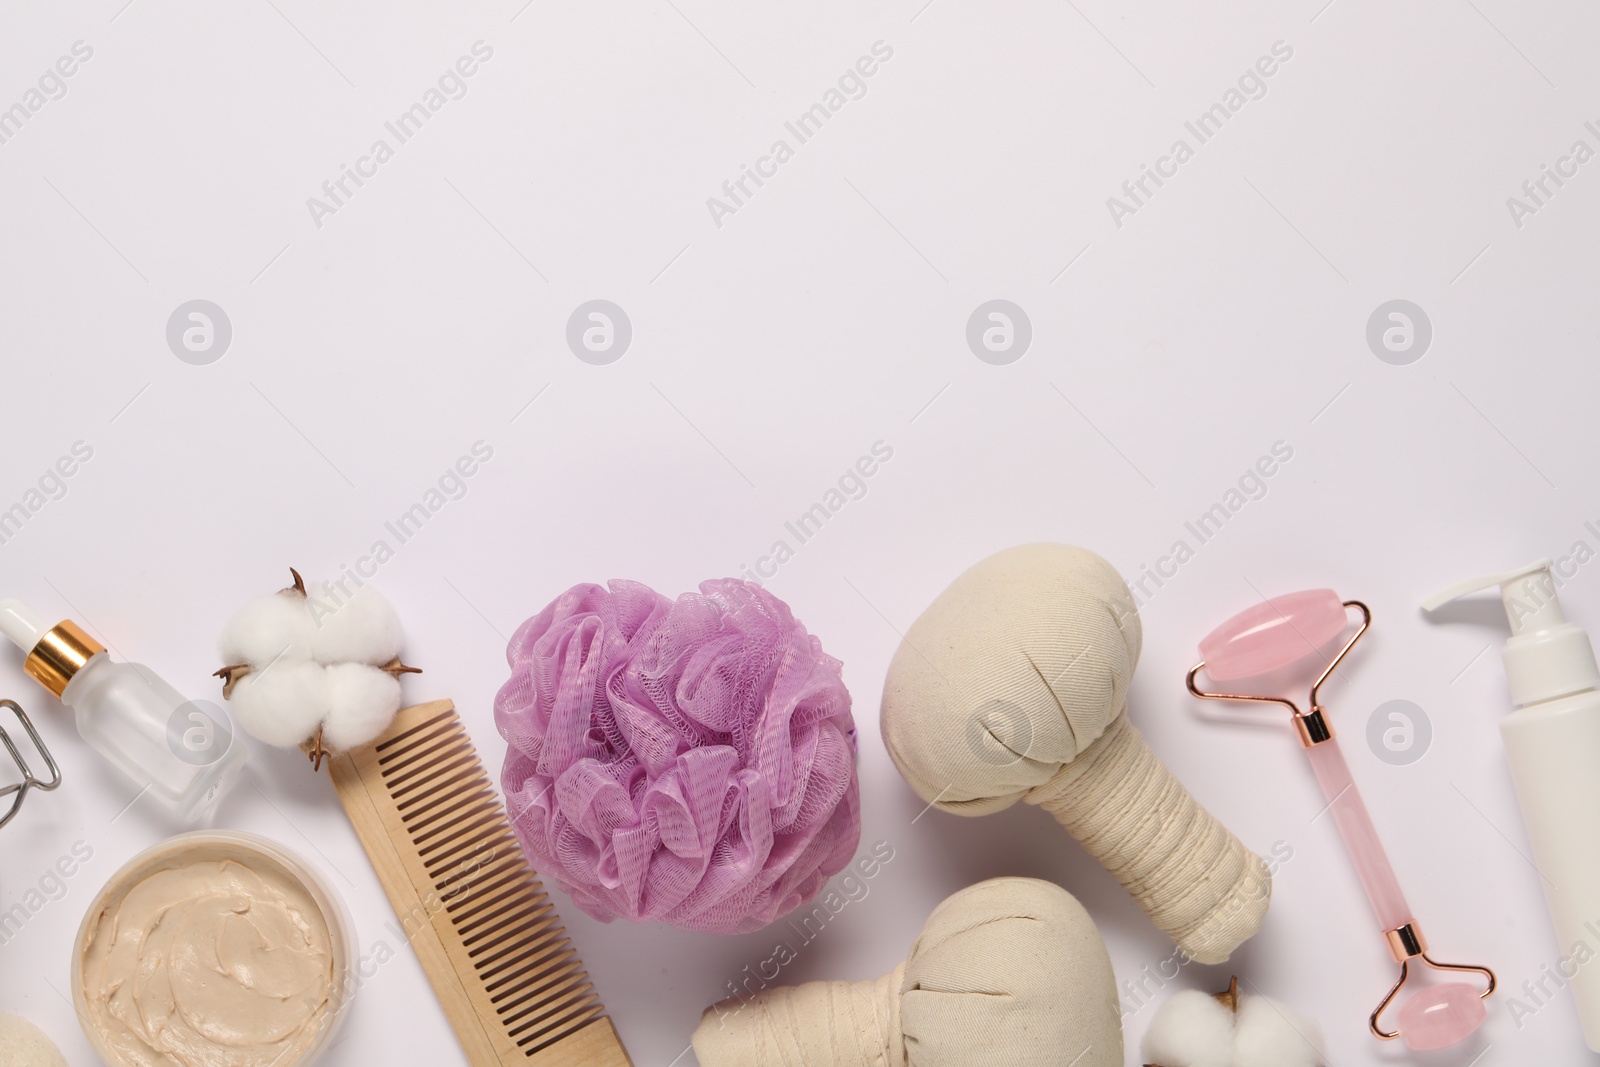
(1230, 1030)
(316, 672)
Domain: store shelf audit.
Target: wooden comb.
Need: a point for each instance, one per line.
(489, 940)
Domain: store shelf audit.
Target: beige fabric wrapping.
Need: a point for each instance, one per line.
(1202, 887)
(1009, 971)
(1013, 685)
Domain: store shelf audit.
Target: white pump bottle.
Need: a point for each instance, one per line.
(1553, 743)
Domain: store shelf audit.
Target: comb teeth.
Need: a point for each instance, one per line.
(472, 890)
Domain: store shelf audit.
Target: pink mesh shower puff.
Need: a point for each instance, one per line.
(689, 762)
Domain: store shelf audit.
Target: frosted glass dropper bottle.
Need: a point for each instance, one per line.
(1553, 743)
(180, 754)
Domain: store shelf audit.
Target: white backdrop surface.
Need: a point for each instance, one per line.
(380, 331)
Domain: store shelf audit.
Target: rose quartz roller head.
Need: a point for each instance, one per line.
(1276, 634)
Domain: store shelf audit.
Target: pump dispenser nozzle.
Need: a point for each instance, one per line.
(1546, 656)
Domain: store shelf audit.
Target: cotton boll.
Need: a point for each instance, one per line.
(23, 1044)
(362, 702)
(305, 664)
(268, 628)
(1194, 1030)
(1269, 1034)
(1191, 1030)
(284, 703)
(359, 628)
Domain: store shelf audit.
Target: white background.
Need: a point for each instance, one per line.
(828, 313)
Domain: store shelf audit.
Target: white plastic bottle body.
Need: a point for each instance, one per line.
(1554, 751)
(137, 721)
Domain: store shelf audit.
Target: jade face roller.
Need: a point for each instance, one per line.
(1276, 634)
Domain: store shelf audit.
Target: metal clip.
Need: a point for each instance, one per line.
(18, 790)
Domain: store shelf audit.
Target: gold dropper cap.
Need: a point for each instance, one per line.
(60, 654)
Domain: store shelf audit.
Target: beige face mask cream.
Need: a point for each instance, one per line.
(213, 949)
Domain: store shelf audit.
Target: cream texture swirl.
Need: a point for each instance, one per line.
(215, 957)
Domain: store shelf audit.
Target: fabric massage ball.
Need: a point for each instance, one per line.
(1013, 685)
(1010, 971)
(691, 762)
